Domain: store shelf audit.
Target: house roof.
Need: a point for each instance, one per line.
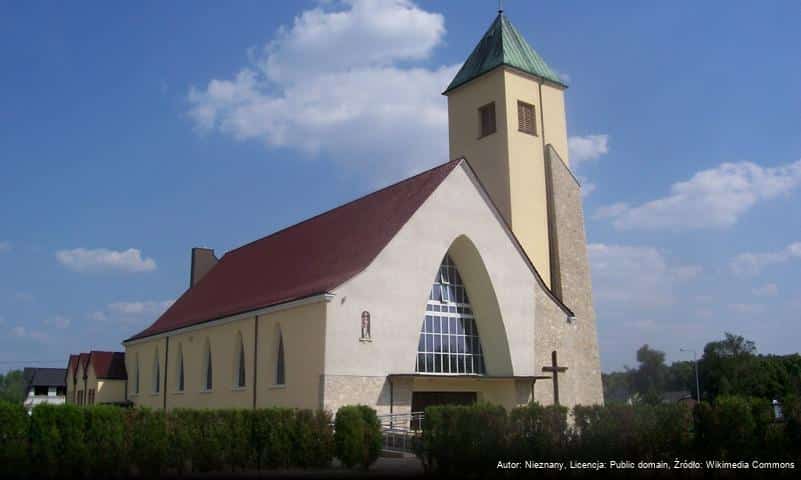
(108, 365)
(83, 360)
(45, 377)
(502, 44)
(303, 260)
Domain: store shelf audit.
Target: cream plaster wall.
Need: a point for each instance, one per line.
(456, 219)
(303, 330)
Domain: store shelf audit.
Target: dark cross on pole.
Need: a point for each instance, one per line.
(555, 370)
(500, 6)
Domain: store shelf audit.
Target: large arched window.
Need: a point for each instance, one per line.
(179, 369)
(156, 372)
(208, 373)
(449, 341)
(239, 361)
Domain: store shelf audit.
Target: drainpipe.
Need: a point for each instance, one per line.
(255, 357)
(166, 369)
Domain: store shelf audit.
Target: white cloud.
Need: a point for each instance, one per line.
(98, 316)
(748, 264)
(746, 308)
(102, 259)
(59, 321)
(635, 276)
(18, 331)
(714, 198)
(147, 307)
(341, 80)
(5, 247)
(24, 297)
(686, 272)
(587, 148)
(767, 290)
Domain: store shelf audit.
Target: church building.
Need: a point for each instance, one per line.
(467, 282)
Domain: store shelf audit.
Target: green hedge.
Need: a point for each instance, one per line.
(358, 436)
(465, 439)
(14, 426)
(461, 439)
(104, 441)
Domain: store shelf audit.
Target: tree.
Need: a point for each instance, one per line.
(649, 379)
(12, 386)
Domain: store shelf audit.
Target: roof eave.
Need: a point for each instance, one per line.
(544, 79)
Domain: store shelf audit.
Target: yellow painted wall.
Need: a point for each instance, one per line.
(486, 155)
(141, 356)
(303, 331)
(106, 391)
(510, 163)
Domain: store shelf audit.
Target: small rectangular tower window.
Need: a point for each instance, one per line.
(526, 120)
(486, 119)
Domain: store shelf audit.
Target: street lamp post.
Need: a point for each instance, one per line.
(697, 382)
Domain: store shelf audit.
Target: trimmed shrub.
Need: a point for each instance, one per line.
(272, 441)
(146, 441)
(237, 425)
(313, 439)
(357, 436)
(181, 434)
(105, 439)
(57, 441)
(14, 425)
(210, 443)
(464, 439)
(539, 432)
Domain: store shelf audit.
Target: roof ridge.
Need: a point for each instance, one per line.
(349, 202)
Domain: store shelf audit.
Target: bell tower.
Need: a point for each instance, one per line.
(506, 111)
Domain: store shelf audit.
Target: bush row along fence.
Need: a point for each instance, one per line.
(467, 439)
(70, 441)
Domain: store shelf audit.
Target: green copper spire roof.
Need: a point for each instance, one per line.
(503, 45)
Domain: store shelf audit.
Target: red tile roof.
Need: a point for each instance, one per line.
(83, 360)
(73, 361)
(306, 259)
(108, 365)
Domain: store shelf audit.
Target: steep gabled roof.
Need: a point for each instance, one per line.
(108, 365)
(307, 259)
(83, 361)
(502, 44)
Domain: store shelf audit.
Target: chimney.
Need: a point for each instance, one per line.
(203, 260)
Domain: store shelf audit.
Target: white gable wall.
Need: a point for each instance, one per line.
(395, 288)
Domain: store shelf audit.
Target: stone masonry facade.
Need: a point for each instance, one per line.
(576, 342)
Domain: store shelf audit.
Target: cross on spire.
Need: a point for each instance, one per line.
(500, 6)
(555, 370)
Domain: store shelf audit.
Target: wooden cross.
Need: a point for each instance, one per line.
(555, 370)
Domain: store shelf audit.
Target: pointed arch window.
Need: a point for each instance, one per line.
(239, 378)
(449, 340)
(208, 372)
(280, 374)
(179, 369)
(156, 372)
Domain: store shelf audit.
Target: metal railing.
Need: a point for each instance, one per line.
(401, 431)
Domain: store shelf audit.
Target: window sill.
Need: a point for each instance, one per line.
(366, 340)
(155, 394)
(533, 134)
(278, 386)
(239, 389)
(178, 392)
(207, 391)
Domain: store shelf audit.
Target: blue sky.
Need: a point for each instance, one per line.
(131, 133)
